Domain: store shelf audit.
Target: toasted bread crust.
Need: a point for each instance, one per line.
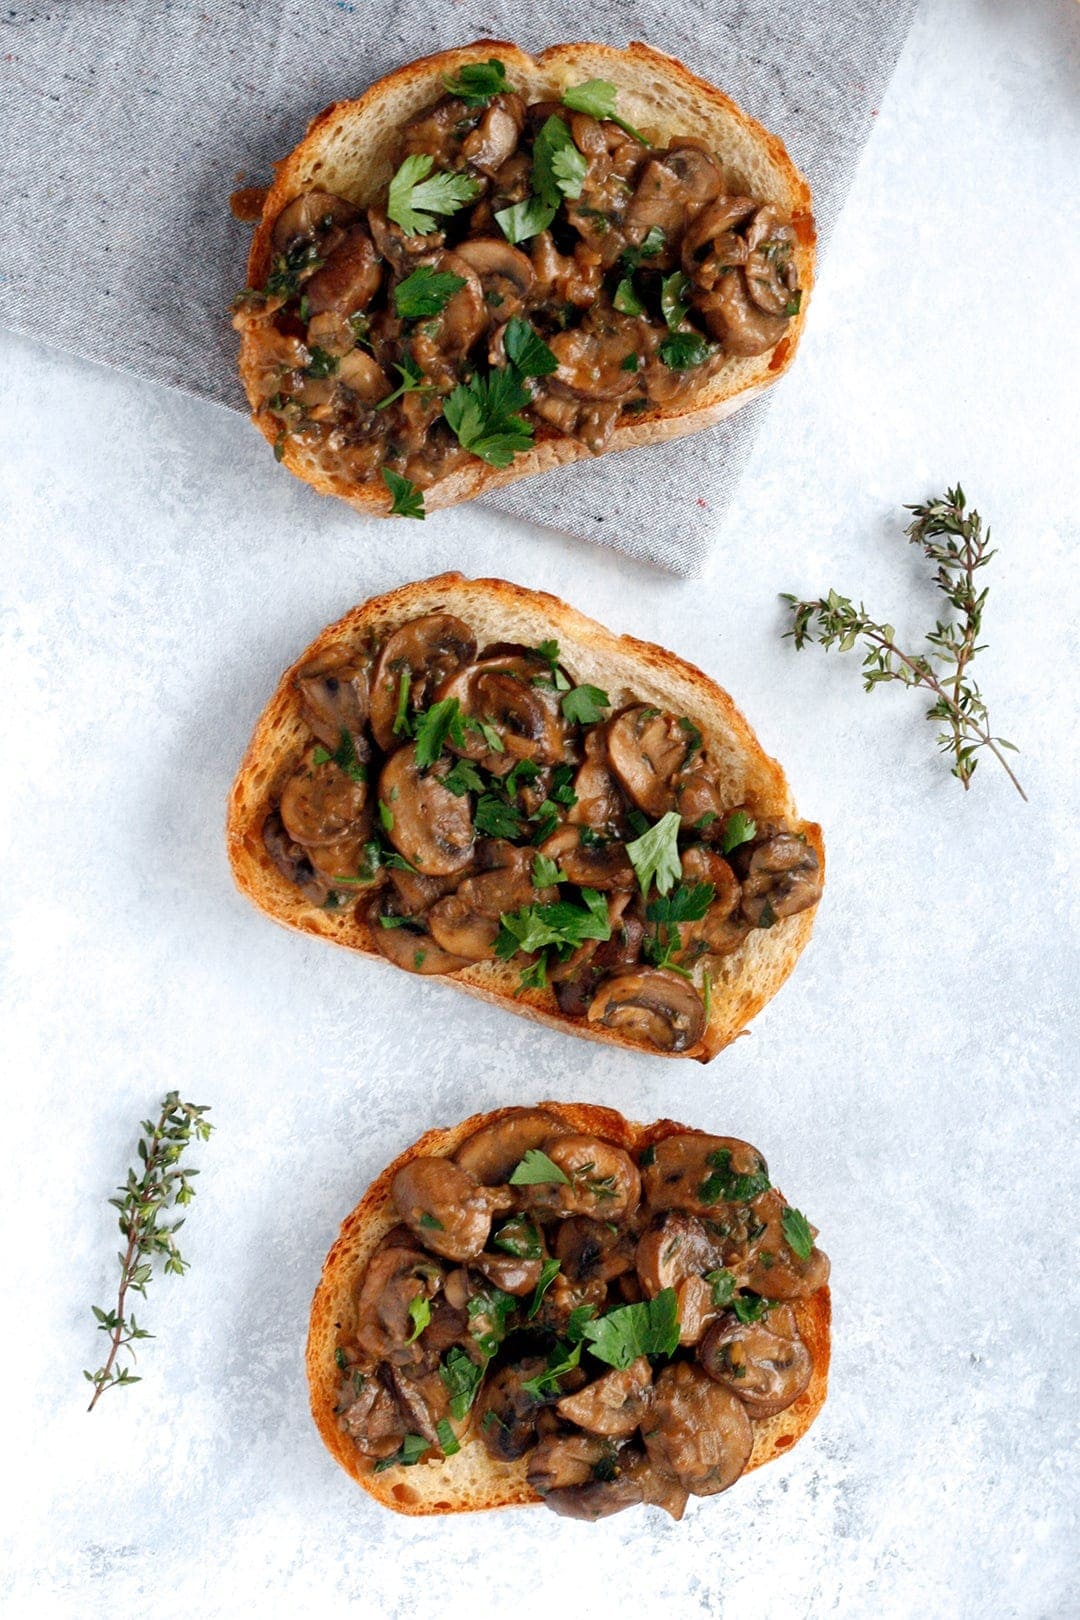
(472, 1481)
(500, 611)
(347, 150)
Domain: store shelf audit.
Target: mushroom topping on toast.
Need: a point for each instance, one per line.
(541, 1300)
(529, 271)
(478, 810)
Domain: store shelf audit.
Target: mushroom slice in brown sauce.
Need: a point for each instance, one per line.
(501, 694)
(783, 878)
(446, 1207)
(697, 1430)
(683, 1172)
(493, 1153)
(646, 749)
(766, 1364)
(592, 865)
(599, 1179)
(651, 1004)
(426, 823)
(422, 653)
(613, 1404)
(334, 697)
(321, 803)
(309, 214)
(406, 941)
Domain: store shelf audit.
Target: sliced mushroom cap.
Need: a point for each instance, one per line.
(659, 200)
(599, 1180)
(488, 146)
(460, 322)
(373, 1419)
(423, 1401)
(508, 1412)
(614, 1404)
(766, 1364)
(600, 803)
(700, 802)
(591, 363)
(397, 1273)
(735, 322)
(681, 1172)
(634, 1479)
(334, 696)
(588, 1249)
(651, 1004)
(592, 865)
(499, 691)
(446, 1207)
(722, 929)
(646, 749)
(776, 1271)
(344, 864)
(349, 278)
(431, 827)
(710, 244)
(506, 275)
(320, 803)
(408, 944)
(783, 877)
(309, 213)
(563, 1461)
(439, 131)
(674, 1248)
(493, 1153)
(362, 373)
(506, 1271)
(417, 892)
(503, 881)
(292, 860)
(771, 277)
(426, 651)
(457, 928)
(697, 1430)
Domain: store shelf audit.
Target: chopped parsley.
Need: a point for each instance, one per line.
(520, 1237)
(548, 1272)
(406, 500)
(722, 1284)
(344, 757)
(416, 195)
(425, 292)
(534, 928)
(440, 724)
(655, 855)
(482, 416)
(560, 1361)
(650, 1328)
(536, 1169)
(597, 98)
(797, 1233)
(475, 83)
(322, 363)
(526, 350)
(558, 168)
(681, 351)
(461, 1377)
(545, 872)
(411, 1450)
(585, 705)
(675, 299)
(496, 819)
(419, 1316)
(728, 1186)
(449, 1444)
(463, 778)
(738, 829)
(525, 219)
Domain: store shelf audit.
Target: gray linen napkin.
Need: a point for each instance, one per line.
(127, 124)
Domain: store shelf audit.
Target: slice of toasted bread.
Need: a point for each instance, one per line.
(627, 670)
(348, 150)
(472, 1480)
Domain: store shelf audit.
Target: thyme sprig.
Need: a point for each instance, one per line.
(145, 1197)
(954, 540)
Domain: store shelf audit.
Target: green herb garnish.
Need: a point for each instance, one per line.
(414, 198)
(585, 705)
(482, 416)
(597, 98)
(411, 1450)
(440, 724)
(650, 1328)
(406, 500)
(797, 1233)
(738, 829)
(425, 292)
(655, 855)
(728, 1186)
(475, 83)
(548, 1272)
(536, 1169)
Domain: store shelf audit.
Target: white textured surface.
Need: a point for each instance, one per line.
(912, 1086)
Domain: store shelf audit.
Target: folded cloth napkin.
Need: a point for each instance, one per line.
(128, 124)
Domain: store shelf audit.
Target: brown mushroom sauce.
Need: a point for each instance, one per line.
(606, 1315)
(476, 805)
(647, 269)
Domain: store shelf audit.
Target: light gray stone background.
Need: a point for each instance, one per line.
(912, 1086)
